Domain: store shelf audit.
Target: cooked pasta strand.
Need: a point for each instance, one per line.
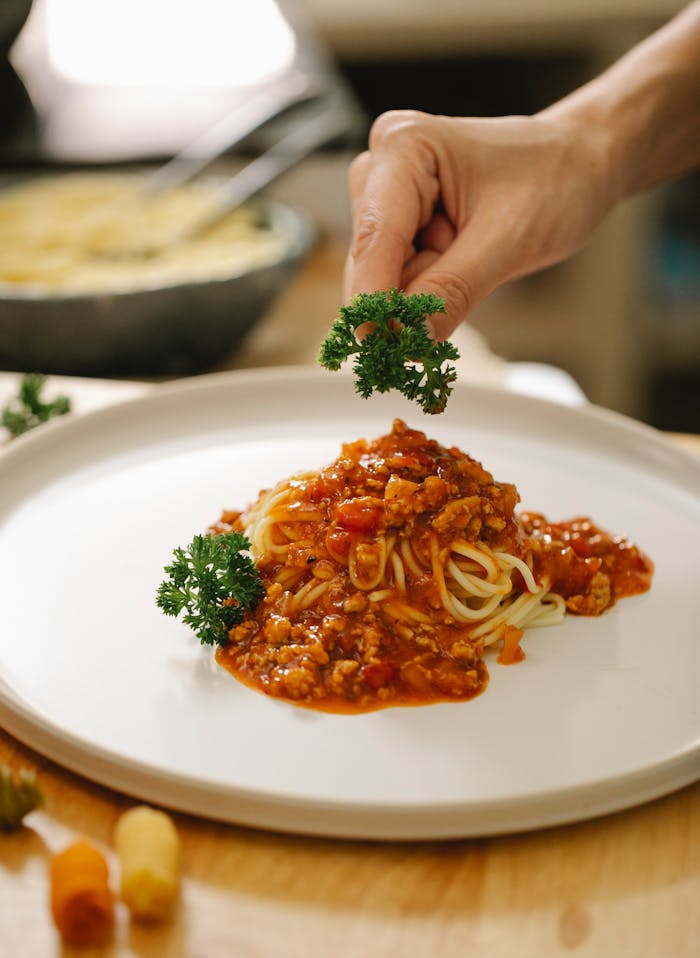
(307, 595)
(477, 554)
(398, 570)
(409, 557)
(400, 610)
(522, 567)
(473, 585)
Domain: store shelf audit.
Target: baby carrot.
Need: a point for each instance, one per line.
(81, 900)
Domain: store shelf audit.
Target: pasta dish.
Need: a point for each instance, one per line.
(85, 233)
(389, 572)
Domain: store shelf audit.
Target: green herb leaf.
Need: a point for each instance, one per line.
(214, 582)
(398, 353)
(27, 410)
(19, 795)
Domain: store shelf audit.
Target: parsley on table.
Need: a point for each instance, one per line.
(28, 410)
(215, 582)
(20, 794)
(398, 353)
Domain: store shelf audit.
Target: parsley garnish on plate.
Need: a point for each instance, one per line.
(28, 410)
(398, 353)
(214, 581)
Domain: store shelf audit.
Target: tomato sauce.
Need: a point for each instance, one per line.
(373, 636)
(590, 568)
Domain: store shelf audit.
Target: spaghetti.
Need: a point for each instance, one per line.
(390, 571)
(80, 234)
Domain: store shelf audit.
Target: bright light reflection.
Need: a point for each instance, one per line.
(162, 44)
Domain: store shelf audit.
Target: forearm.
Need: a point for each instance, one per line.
(645, 110)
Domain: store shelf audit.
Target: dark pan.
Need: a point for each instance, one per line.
(166, 331)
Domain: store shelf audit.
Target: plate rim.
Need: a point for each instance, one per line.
(388, 821)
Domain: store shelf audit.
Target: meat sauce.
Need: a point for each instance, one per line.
(347, 652)
(590, 568)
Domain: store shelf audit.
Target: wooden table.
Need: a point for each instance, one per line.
(624, 885)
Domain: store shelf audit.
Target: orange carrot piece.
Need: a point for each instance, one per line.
(511, 651)
(82, 904)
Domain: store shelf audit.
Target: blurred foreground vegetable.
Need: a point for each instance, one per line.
(27, 410)
(82, 904)
(148, 847)
(19, 795)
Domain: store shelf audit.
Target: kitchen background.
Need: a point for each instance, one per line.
(623, 316)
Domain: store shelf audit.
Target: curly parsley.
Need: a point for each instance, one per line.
(398, 353)
(215, 582)
(27, 410)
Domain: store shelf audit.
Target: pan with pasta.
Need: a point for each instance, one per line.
(98, 277)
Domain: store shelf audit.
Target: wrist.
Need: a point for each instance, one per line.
(642, 113)
(592, 146)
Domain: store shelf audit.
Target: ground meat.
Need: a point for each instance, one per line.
(354, 616)
(596, 600)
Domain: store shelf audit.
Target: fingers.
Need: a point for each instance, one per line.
(463, 275)
(402, 237)
(453, 287)
(394, 189)
(419, 220)
(438, 235)
(457, 206)
(418, 264)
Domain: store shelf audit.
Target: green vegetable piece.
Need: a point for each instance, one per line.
(27, 410)
(214, 582)
(398, 353)
(19, 795)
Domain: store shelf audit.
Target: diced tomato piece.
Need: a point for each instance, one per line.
(359, 515)
(378, 675)
(581, 547)
(338, 542)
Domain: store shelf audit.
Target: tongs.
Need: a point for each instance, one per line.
(320, 120)
(321, 125)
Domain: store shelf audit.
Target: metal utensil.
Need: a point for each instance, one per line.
(318, 128)
(258, 109)
(318, 123)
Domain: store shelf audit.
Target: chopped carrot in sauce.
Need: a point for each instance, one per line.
(511, 651)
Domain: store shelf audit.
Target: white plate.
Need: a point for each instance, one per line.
(603, 714)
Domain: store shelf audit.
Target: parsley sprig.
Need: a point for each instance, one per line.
(20, 794)
(398, 353)
(215, 582)
(28, 410)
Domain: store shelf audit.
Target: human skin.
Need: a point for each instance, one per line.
(458, 205)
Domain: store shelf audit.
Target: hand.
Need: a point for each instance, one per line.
(456, 206)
